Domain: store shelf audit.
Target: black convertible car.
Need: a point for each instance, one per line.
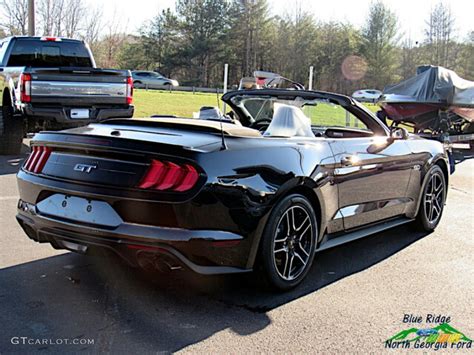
(285, 174)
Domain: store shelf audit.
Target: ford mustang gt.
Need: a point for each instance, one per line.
(285, 174)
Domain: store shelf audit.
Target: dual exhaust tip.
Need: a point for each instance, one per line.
(153, 261)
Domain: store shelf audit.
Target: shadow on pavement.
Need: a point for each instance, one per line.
(461, 155)
(10, 164)
(125, 310)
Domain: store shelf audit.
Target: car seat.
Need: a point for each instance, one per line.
(289, 121)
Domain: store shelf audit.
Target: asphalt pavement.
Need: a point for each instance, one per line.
(355, 297)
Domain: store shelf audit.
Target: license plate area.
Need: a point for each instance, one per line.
(80, 210)
(79, 113)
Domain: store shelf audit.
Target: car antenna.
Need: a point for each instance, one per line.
(223, 145)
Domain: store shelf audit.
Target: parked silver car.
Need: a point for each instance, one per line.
(367, 95)
(151, 79)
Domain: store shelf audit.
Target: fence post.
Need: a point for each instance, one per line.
(226, 73)
(310, 81)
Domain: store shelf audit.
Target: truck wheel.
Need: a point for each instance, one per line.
(11, 132)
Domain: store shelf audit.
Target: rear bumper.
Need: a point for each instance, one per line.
(202, 251)
(63, 114)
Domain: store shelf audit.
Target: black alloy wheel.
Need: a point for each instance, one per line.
(289, 242)
(432, 200)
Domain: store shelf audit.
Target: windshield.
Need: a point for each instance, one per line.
(320, 112)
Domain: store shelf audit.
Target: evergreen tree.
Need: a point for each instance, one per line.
(439, 35)
(379, 41)
(203, 25)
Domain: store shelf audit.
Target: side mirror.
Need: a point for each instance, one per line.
(398, 133)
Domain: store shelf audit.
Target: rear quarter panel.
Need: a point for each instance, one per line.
(252, 175)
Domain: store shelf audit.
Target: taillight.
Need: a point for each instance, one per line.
(50, 39)
(25, 87)
(37, 159)
(129, 90)
(169, 176)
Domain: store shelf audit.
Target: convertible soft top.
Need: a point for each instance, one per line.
(432, 85)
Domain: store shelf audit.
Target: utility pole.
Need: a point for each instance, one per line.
(31, 17)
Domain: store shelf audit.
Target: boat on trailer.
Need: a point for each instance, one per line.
(436, 102)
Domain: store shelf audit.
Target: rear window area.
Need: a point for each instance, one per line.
(47, 54)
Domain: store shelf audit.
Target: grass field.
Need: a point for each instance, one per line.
(183, 104)
(177, 103)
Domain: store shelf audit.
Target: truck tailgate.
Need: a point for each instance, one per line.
(78, 86)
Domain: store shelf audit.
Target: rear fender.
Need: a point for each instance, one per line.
(299, 185)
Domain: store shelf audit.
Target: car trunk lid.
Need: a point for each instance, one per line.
(127, 155)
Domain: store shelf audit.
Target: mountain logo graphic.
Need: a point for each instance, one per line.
(443, 333)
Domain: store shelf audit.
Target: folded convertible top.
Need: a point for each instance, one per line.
(432, 85)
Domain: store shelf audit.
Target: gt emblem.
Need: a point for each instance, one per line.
(84, 168)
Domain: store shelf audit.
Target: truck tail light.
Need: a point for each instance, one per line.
(129, 90)
(37, 159)
(25, 87)
(169, 176)
(50, 39)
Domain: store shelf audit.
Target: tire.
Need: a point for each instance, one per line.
(432, 201)
(11, 132)
(286, 252)
(137, 84)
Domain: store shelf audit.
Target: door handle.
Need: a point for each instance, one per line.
(349, 160)
(346, 160)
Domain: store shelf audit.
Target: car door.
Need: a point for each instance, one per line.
(153, 81)
(160, 80)
(372, 174)
(141, 78)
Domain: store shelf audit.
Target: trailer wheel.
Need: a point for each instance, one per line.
(11, 131)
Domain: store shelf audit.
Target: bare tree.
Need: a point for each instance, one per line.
(93, 27)
(45, 15)
(62, 17)
(51, 17)
(439, 34)
(15, 13)
(75, 15)
(410, 58)
(111, 42)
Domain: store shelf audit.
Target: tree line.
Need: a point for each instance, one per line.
(193, 41)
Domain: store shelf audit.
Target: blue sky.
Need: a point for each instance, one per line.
(411, 13)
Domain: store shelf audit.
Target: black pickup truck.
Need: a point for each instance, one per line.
(53, 83)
